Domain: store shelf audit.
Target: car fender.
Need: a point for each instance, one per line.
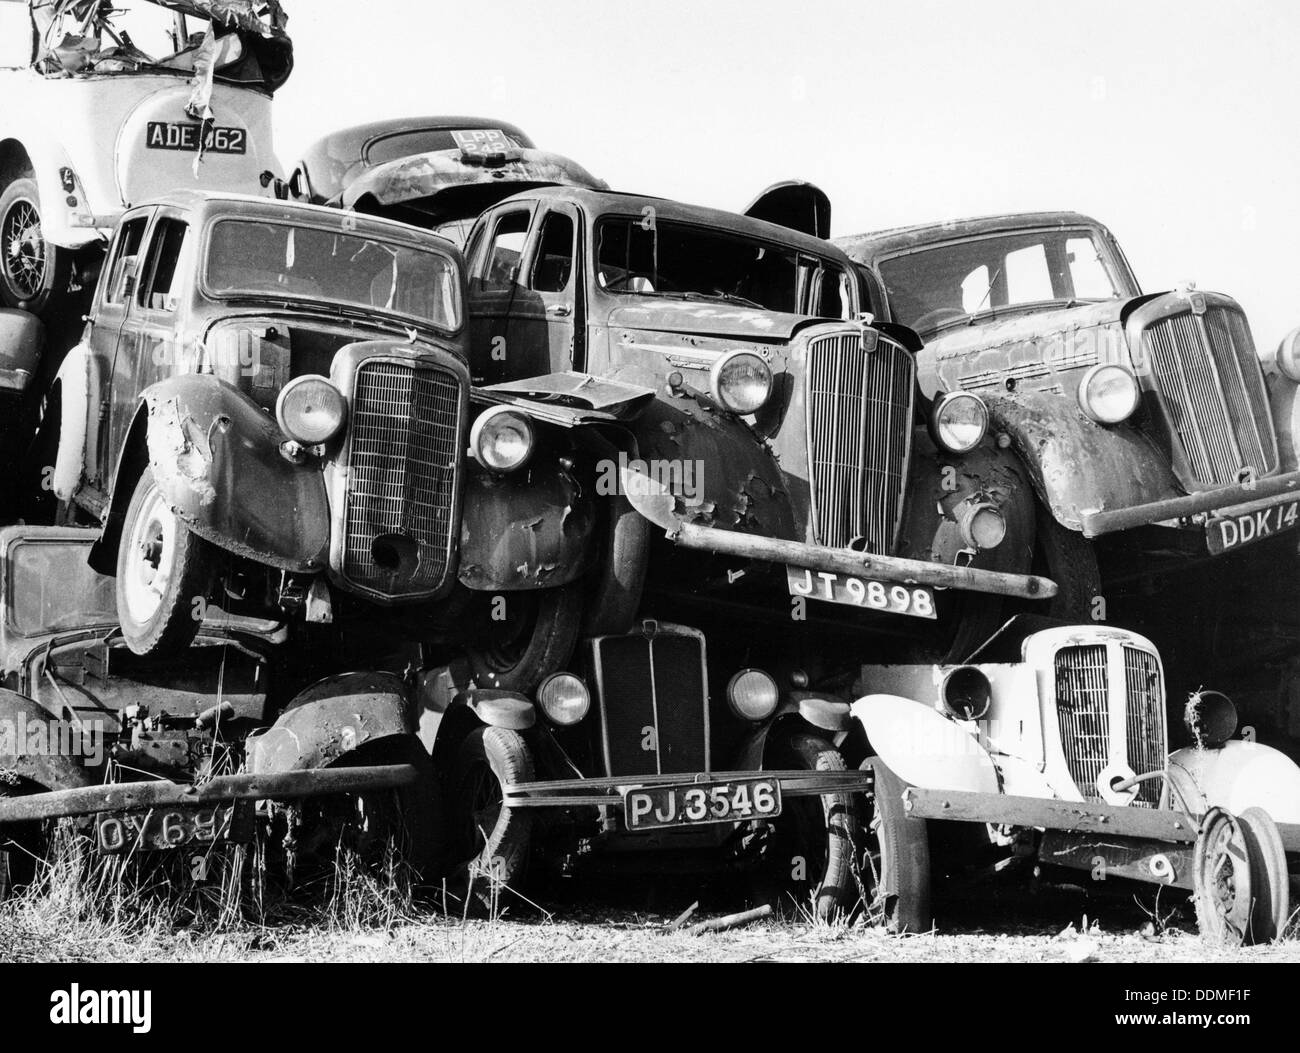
(45, 768)
(63, 211)
(1053, 438)
(333, 718)
(814, 713)
(216, 457)
(475, 707)
(79, 388)
(923, 747)
(528, 529)
(1237, 776)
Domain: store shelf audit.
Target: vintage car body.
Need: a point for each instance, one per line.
(832, 474)
(1027, 309)
(93, 124)
(1055, 736)
(600, 767)
(213, 310)
(163, 749)
(434, 172)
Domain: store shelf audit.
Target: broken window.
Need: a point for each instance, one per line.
(554, 262)
(158, 291)
(501, 265)
(125, 251)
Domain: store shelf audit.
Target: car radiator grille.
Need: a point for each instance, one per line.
(859, 409)
(1084, 711)
(653, 697)
(404, 426)
(1213, 392)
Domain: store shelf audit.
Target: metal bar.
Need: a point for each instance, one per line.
(140, 796)
(1259, 495)
(561, 793)
(1091, 817)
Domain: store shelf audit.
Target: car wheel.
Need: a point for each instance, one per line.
(34, 274)
(535, 639)
(896, 860)
(491, 840)
(814, 837)
(162, 568)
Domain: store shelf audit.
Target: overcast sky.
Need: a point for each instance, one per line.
(1176, 124)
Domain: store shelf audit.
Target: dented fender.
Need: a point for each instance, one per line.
(42, 767)
(216, 457)
(811, 712)
(528, 529)
(1054, 439)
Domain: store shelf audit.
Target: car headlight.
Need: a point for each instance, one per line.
(310, 410)
(741, 381)
(1108, 394)
(501, 440)
(752, 695)
(966, 693)
(564, 699)
(1288, 356)
(981, 524)
(959, 421)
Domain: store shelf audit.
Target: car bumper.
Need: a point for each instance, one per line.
(1264, 493)
(144, 796)
(569, 793)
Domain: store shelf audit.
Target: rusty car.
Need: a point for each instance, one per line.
(107, 105)
(438, 173)
(188, 754)
(1050, 748)
(785, 452)
(270, 408)
(660, 750)
(1160, 395)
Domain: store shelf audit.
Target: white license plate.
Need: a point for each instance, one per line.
(654, 807)
(912, 600)
(1224, 533)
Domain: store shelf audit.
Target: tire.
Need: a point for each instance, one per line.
(896, 861)
(491, 843)
(1069, 559)
(1224, 870)
(34, 275)
(536, 640)
(1269, 877)
(161, 569)
(815, 837)
(616, 596)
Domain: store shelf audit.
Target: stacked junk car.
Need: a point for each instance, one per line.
(431, 495)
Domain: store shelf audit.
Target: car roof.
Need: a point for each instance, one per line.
(881, 244)
(635, 204)
(346, 144)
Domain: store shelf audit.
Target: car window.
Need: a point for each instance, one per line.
(501, 261)
(162, 265)
(554, 263)
(1087, 270)
(125, 247)
(1028, 278)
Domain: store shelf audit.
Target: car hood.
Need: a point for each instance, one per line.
(1023, 327)
(427, 178)
(706, 319)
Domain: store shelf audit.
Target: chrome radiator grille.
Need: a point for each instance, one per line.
(1144, 728)
(1086, 713)
(859, 410)
(1213, 392)
(404, 426)
(653, 695)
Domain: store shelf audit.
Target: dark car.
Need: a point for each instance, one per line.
(1141, 417)
(270, 407)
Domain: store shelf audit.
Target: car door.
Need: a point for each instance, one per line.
(545, 331)
(151, 346)
(496, 267)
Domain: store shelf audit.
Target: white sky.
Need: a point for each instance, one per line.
(1175, 123)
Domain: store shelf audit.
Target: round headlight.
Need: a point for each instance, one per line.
(310, 410)
(501, 440)
(742, 381)
(966, 693)
(982, 525)
(752, 694)
(959, 421)
(1108, 394)
(1288, 356)
(564, 699)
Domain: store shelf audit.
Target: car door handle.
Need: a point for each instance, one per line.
(559, 310)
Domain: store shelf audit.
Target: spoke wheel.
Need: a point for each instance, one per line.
(1222, 880)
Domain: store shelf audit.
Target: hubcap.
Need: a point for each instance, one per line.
(22, 248)
(151, 558)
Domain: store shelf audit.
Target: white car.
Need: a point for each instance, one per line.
(106, 105)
